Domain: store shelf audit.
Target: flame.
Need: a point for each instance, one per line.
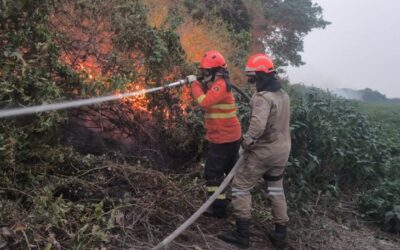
(89, 45)
(85, 39)
(185, 99)
(139, 102)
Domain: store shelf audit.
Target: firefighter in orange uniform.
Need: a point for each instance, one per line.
(213, 93)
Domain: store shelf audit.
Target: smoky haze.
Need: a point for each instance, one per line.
(360, 49)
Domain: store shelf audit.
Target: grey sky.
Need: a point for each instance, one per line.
(360, 49)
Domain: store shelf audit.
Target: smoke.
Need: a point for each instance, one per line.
(316, 78)
(348, 94)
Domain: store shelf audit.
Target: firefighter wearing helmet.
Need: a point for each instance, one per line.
(213, 93)
(265, 149)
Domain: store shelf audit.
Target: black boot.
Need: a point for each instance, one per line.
(238, 237)
(217, 209)
(279, 236)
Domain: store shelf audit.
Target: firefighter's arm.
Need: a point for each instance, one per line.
(260, 110)
(214, 95)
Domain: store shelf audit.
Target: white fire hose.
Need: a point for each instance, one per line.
(163, 244)
(78, 103)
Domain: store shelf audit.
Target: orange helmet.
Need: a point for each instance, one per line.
(260, 63)
(212, 59)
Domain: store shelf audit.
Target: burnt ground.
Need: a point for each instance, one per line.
(126, 206)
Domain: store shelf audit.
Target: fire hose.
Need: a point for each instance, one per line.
(78, 103)
(163, 244)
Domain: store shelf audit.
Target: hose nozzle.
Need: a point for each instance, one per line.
(190, 79)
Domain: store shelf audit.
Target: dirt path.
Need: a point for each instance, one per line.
(320, 233)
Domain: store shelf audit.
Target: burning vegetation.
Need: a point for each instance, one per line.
(89, 36)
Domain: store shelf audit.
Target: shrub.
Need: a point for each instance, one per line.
(332, 144)
(383, 204)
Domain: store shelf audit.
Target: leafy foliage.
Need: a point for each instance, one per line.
(336, 132)
(383, 204)
(225, 25)
(386, 116)
(333, 145)
(336, 146)
(30, 73)
(286, 24)
(232, 12)
(288, 21)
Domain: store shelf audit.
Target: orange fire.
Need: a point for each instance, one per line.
(185, 99)
(88, 47)
(139, 102)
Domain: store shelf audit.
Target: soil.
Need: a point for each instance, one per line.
(141, 206)
(320, 232)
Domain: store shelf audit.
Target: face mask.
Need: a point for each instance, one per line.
(206, 76)
(251, 79)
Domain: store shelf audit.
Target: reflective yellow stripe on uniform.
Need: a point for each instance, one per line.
(221, 197)
(220, 115)
(201, 98)
(213, 189)
(223, 106)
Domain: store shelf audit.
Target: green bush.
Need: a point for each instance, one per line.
(383, 204)
(332, 144)
(30, 74)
